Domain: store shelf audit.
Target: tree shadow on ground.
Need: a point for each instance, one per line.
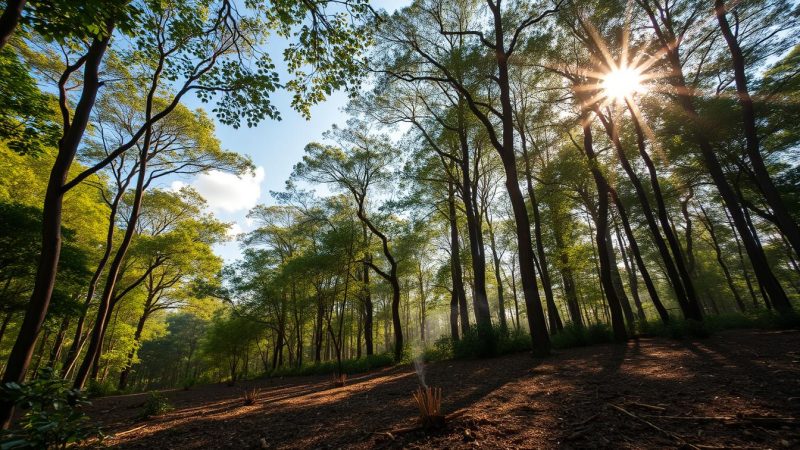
(511, 401)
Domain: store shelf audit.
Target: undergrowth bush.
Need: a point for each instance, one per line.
(686, 329)
(349, 366)
(576, 336)
(95, 389)
(155, 405)
(52, 414)
(494, 341)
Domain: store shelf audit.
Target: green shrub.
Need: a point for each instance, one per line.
(493, 341)
(53, 416)
(678, 329)
(155, 405)
(95, 389)
(442, 349)
(349, 366)
(577, 336)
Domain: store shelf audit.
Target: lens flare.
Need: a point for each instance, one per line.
(622, 83)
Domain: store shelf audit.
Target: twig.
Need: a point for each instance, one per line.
(645, 405)
(768, 420)
(653, 426)
(130, 431)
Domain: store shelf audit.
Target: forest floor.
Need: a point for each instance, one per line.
(737, 389)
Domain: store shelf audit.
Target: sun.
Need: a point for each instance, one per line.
(622, 83)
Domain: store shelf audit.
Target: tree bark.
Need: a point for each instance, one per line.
(764, 274)
(715, 242)
(457, 293)
(536, 320)
(617, 319)
(480, 300)
(637, 255)
(10, 20)
(783, 218)
(553, 317)
(630, 269)
(20, 356)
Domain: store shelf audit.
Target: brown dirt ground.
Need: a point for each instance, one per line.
(721, 392)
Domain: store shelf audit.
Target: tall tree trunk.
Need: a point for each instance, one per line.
(553, 317)
(536, 319)
(663, 217)
(616, 279)
(480, 299)
(501, 305)
(617, 319)
(568, 279)
(10, 20)
(58, 344)
(107, 302)
(637, 255)
(715, 242)
(764, 274)
(783, 218)
(35, 313)
(514, 292)
(742, 262)
(684, 289)
(137, 337)
(630, 269)
(368, 308)
(455, 266)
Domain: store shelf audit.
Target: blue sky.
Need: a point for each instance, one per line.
(274, 146)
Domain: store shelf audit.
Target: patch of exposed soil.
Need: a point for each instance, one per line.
(735, 390)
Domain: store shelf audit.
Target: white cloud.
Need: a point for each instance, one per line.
(227, 192)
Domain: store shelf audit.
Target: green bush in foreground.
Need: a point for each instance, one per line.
(52, 416)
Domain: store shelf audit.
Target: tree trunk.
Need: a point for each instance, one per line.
(684, 290)
(568, 279)
(455, 265)
(107, 301)
(501, 306)
(137, 336)
(617, 320)
(554, 319)
(693, 306)
(35, 313)
(637, 254)
(10, 20)
(630, 269)
(616, 279)
(58, 344)
(715, 242)
(764, 274)
(536, 320)
(783, 218)
(480, 300)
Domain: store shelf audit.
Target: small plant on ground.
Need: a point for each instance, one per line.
(52, 417)
(429, 402)
(156, 405)
(249, 396)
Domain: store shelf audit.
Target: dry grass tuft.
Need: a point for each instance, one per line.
(429, 401)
